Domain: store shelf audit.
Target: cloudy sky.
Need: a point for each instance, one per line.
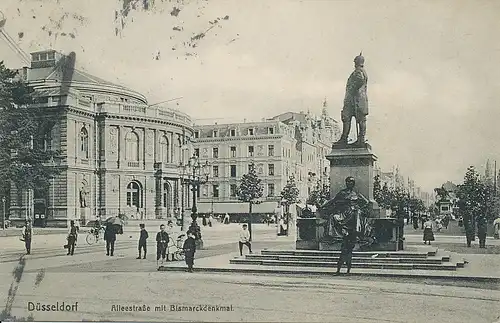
(432, 65)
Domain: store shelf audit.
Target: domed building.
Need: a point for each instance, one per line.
(119, 155)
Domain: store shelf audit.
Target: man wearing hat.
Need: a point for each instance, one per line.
(355, 102)
(72, 237)
(27, 235)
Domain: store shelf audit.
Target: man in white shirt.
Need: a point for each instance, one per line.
(244, 239)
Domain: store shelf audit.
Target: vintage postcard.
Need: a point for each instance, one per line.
(249, 161)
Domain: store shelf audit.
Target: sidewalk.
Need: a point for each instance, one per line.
(133, 226)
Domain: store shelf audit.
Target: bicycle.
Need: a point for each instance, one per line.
(177, 245)
(94, 235)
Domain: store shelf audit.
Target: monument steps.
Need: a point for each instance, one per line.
(392, 260)
(365, 254)
(430, 260)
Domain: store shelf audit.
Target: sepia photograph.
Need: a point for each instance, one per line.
(249, 161)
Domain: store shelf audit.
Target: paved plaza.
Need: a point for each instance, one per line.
(107, 288)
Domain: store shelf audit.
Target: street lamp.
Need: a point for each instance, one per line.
(194, 173)
(4, 216)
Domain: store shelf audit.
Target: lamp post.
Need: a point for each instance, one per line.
(3, 214)
(194, 174)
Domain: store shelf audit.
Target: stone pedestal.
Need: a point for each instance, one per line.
(357, 162)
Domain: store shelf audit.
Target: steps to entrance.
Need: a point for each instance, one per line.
(394, 260)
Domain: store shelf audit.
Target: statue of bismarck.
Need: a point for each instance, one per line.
(355, 103)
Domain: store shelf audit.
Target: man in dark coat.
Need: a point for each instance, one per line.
(161, 244)
(355, 102)
(142, 240)
(482, 227)
(72, 237)
(110, 237)
(189, 250)
(27, 235)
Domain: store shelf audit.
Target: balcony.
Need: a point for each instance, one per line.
(161, 165)
(157, 112)
(133, 164)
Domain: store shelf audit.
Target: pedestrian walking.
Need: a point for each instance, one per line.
(428, 233)
(27, 234)
(422, 221)
(110, 237)
(439, 225)
(226, 219)
(496, 227)
(415, 221)
(210, 220)
(72, 238)
(244, 239)
(189, 248)
(348, 242)
(446, 221)
(143, 241)
(161, 244)
(481, 231)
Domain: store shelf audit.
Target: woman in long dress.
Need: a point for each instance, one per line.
(428, 234)
(496, 226)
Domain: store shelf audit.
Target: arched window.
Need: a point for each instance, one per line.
(134, 195)
(84, 143)
(164, 149)
(132, 146)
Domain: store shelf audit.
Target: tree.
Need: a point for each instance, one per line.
(23, 137)
(472, 201)
(250, 191)
(377, 190)
(289, 196)
(319, 195)
(386, 197)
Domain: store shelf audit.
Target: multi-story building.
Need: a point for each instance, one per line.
(118, 154)
(314, 137)
(230, 149)
(290, 144)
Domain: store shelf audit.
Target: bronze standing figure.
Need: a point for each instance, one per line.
(355, 103)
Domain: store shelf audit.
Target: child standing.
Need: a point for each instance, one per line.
(189, 250)
(142, 240)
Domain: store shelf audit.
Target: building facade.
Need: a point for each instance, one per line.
(118, 155)
(291, 144)
(230, 149)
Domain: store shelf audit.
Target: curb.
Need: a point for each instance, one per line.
(331, 274)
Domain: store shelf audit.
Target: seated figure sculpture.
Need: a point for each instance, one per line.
(343, 215)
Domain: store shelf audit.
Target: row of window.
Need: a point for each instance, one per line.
(232, 151)
(233, 132)
(132, 152)
(233, 173)
(233, 190)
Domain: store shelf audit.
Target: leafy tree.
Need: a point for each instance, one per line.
(289, 196)
(23, 130)
(377, 190)
(473, 198)
(250, 191)
(319, 195)
(386, 197)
